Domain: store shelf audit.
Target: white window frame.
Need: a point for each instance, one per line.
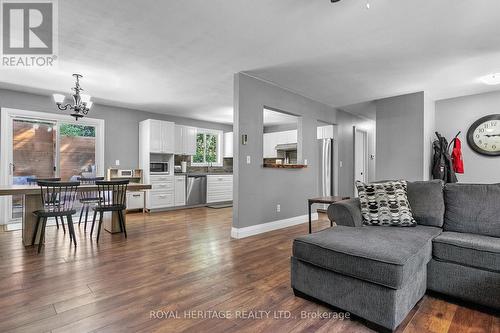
(220, 137)
(6, 154)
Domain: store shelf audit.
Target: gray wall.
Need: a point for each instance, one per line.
(346, 123)
(457, 114)
(121, 125)
(400, 137)
(257, 190)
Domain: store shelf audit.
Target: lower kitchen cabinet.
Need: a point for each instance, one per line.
(219, 188)
(162, 192)
(180, 190)
(135, 200)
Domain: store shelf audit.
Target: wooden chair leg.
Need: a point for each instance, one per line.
(93, 224)
(81, 214)
(57, 222)
(86, 213)
(99, 226)
(122, 222)
(42, 234)
(62, 224)
(93, 219)
(35, 231)
(71, 228)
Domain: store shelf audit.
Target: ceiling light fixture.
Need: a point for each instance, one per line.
(81, 102)
(490, 79)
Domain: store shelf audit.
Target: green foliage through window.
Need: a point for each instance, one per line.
(77, 130)
(206, 148)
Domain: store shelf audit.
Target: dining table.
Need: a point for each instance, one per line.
(32, 201)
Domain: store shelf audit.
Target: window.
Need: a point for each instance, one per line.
(208, 148)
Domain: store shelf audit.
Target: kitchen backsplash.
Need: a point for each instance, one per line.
(226, 167)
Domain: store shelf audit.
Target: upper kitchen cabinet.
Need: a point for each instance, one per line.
(228, 144)
(185, 140)
(161, 136)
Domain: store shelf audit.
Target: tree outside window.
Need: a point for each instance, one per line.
(207, 148)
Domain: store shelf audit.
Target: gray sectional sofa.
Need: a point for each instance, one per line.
(380, 273)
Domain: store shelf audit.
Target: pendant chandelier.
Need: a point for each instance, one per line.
(81, 102)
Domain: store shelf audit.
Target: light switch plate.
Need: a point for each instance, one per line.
(305, 162)
(117, 162)
(341, 164)
(248, 159)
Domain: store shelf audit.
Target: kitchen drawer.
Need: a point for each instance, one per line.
(219, 197)
(161, 199)
(214, 179)
(163, 187)
(161, 178)
(135, 200)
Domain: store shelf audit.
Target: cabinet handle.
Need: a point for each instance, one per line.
(136, 195)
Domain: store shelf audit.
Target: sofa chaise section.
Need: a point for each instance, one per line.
(380, 281)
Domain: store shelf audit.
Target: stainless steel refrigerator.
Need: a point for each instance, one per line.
(326, 179)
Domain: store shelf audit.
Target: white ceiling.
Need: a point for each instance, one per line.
(274, 118)
(179, 57)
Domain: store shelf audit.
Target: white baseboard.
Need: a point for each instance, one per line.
(270, 226)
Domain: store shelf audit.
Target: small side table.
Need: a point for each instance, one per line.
(322, 200)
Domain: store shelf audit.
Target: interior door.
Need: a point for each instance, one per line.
(360, 157)
(34, 155)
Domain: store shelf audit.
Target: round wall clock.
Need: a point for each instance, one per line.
(484, 135)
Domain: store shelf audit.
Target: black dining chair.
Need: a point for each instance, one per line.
(57, 201)
(34, 181)
(112, 198)
(88, 198)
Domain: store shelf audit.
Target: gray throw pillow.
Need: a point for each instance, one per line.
(385, 204)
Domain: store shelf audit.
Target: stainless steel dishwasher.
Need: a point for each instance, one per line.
(196, 192)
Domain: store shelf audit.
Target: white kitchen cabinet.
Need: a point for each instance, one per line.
(135, 200)
(228, 144)
(162, 192)
(277, 138)
(325, 132)
(185, 140)
(156, 136)
(190, 140)
(161, 136)
(168, 138)
(179, 143)
(180, 190)
(219, 188)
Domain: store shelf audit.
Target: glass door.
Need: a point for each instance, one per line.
(33, 156)
(77, 151)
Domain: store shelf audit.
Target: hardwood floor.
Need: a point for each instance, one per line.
(178, 261)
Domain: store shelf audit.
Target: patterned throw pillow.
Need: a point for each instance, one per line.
(385, 204)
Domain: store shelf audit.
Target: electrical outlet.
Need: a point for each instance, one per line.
(278, 208)
(117, 162)
(305, 162)
(248, 159)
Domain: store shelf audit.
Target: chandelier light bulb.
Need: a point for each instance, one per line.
(58, 98)
(85, 98)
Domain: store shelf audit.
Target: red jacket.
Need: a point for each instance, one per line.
(456, 156)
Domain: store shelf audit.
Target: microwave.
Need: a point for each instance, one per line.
(158, 167)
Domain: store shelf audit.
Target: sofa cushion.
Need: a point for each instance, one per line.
(385, 204)
(386, 256)
(468, 249)
(472, 208)
(427, 202)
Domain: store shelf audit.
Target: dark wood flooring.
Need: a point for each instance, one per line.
(175, 262)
